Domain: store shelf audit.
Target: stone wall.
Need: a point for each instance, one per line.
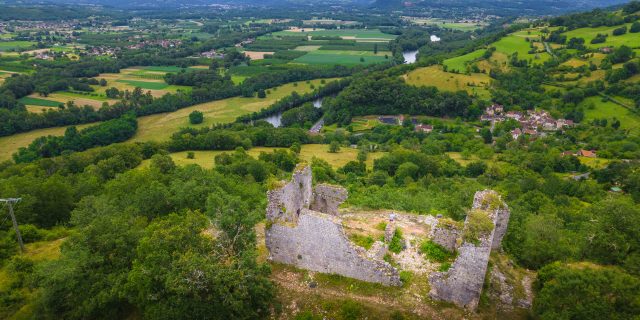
(318, 243)
(315, 240)
(462, 283)
(327, 198)
(445, 235)
(285, 203)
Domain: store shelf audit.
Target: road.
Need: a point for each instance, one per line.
(317, 127)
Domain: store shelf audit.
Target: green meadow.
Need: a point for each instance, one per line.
(517, 43)
(627, 39)
(609, 110)
(460, 63)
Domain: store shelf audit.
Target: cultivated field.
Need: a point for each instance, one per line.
(448, 24)
(357, 34)
(32, 101)
(148, 78)
(257, 55)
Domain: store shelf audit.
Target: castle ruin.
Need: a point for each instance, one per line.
(305, 229)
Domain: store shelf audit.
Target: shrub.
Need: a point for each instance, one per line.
(397, 242)
(405, 276)
(478, 224)
(196, 117)
(619, 31)
(334, 147)
(191, 155)
(307, 315)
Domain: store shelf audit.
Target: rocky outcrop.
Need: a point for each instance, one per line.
(462, 283)
(298, 235)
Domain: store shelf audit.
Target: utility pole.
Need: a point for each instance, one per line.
(10, 202)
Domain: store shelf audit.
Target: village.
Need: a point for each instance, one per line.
(532, 122)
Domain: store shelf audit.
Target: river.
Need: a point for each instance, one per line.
(276, 119)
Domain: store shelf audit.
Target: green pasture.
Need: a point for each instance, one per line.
(609, 110)
(516, 43)
(341, 57)
(145, 84)
(460, 63)
(627, 39)
(39, 102)
(237, 79)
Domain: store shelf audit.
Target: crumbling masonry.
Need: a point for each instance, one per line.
(304, 230)
(462, 283)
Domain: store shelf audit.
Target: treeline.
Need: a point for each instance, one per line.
(106, 133)
(304, 115)
(295, 100)
(379, 94)
(230, 137)
(597, 18)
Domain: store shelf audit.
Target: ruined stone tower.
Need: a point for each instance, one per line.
(304, 230)
(462, 283)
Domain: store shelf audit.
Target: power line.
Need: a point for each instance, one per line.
(10, 202)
